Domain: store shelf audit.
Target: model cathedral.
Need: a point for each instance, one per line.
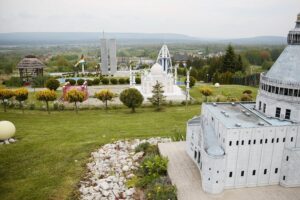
(238, 145)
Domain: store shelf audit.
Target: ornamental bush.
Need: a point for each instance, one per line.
(105, 81)
(192, 81)
(138, 80)
(114, 81)
(96, 81)
(246, 97)
(80, 81)
(154, 165)
(75, 96)
(105, 96)
(206, 91)
(89, 82)
(122, 81)
(71, 81)
(52, 84)
(247, 92)
(5, 94)
(21, 95)
(131, 98)
(46, 96)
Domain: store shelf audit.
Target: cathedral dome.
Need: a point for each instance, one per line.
(156, 69)
(287, 66)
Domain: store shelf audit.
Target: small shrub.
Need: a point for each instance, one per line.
(105, 96)
(21, 95)
(5, 94)
(114, 81)
(131, 98)
(14, 82)
(138, 80)
(142, 147)
(75, 96)
(178, 135)
(246, 97)
(154, 165)
(127, 80)
(105, 81)
(46, 96)
(206, 91)
(80, 81)
(89, 82)
(71, 81)
(52, 84)
(122, 81)
(96, 81)
(192, 81)
(220, 98)
(161, 192)
(247, 92)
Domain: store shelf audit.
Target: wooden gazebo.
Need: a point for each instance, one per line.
(30, 67)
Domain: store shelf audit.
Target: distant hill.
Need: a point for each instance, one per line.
(87, 37)
(129, 38)
(266, 40)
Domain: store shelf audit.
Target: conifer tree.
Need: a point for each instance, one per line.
(157, 98)
(229, 61)
(239, 64)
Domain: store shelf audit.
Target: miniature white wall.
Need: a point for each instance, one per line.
(272, 104)
(212, 173)
(290, 173)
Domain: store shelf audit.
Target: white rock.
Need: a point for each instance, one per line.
(11, 140)
(125, 168)
(129, 193)
(6, 142)
(104, 185)
(105, 193)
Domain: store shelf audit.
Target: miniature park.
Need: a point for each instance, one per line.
(171, 123)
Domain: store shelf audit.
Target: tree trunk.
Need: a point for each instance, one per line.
(4, 105)
(21, 106)
(76, 107)
(106, 105)
(133, 109)
(47, 104)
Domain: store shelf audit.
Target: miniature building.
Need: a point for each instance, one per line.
(30, 67)
(238, 145)
(108, 56)
(161, 72)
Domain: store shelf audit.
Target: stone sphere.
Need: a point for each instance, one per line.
(217, 85)
(7, 130)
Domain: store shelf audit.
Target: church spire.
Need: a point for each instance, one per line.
(294, 35)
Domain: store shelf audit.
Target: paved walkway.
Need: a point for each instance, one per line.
(185, 175)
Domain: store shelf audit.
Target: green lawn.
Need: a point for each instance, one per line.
(225, 90)
(49, 159)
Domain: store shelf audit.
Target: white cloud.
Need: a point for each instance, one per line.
(203, 18)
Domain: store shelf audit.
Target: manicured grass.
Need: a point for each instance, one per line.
(232, 91)
(49, 158)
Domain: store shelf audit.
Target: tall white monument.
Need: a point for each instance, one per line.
(108, 56)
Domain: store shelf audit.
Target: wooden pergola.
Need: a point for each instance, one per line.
(30, 67)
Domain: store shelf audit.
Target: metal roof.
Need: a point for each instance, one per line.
(287, 66)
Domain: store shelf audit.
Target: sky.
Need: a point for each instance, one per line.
(198, 18)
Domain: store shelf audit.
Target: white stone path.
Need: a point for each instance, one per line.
(185, 175)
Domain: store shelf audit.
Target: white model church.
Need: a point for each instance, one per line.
(253, 144)
(162, 72)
